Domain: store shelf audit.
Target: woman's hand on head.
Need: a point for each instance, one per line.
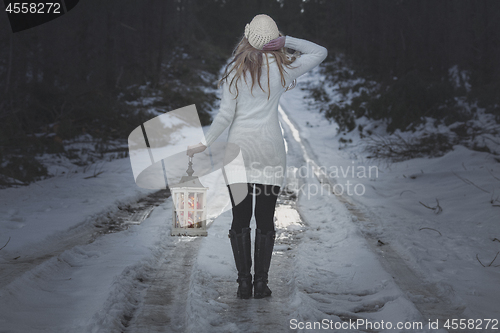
(275, 44)
(195, 149)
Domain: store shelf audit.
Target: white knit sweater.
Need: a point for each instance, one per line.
(253, 117)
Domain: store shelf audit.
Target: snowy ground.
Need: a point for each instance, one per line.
(346, 258)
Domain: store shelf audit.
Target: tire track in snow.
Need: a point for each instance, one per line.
(431, 303)
(87, 288)
(163, 305)
(85, 233)
(318, 294)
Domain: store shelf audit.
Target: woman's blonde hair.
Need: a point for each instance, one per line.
(247, 58)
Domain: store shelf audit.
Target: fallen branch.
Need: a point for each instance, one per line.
(465, 180)
(431, 229)
(396, 148)
(5, 244)
(406, 191)
(94, 175)
(438, 209)
(477, 257)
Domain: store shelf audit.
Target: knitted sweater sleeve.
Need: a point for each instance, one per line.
(312, 55)
(224, 117)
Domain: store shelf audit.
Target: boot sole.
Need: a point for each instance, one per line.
(261, 295)
(244, 296)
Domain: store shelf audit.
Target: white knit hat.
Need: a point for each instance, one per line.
(261, 30)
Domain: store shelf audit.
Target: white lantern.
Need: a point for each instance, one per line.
(189, 213)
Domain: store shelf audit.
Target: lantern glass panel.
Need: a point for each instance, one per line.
(190, 220)
(181, 219)
(180, 200)
(199, 202)
(199, 217)
(191, 200)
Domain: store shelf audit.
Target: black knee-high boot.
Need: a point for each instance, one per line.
(240, 244)
(264, 244)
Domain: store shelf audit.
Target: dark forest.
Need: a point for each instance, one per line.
(75, 74)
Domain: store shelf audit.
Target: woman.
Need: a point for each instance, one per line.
(260, 59)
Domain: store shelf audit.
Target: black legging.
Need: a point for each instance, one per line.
(265, 204)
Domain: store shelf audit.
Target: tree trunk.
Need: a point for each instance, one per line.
(159, 61)
(9, 64)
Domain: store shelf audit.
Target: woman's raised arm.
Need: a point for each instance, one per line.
(312, 55)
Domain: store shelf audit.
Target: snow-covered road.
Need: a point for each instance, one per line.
(431, 304)
(372, 259)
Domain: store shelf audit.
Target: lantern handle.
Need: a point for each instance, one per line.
(190, 170)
